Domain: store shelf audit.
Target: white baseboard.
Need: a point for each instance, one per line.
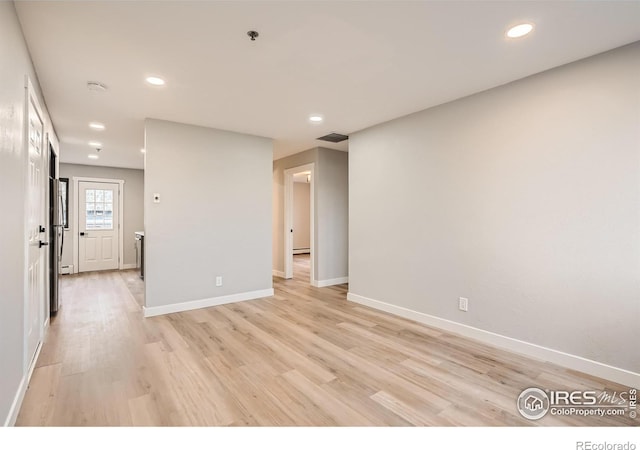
(574, 362)
(17, 403)
(330, 282)
(129, 266)
(22, 390)
(206, 302)
(301, 251)
(278, 273)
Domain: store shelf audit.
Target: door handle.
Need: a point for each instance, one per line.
(82, 233)
(42, 244)
(41, 229)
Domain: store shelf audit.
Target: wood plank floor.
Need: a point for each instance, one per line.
(303, 357)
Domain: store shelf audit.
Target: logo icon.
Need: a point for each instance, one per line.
(533, 403)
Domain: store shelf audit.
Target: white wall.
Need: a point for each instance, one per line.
(214, 216)
(301, 216)
(16, 63)
(332, 214)
(133, 217)
(524, 198)
(332, 208)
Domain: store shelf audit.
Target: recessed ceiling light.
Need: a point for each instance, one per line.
(156, 81)
(520, 30)
(92, 156)
(95, 144)
(142, 150)
(96, 86)
(96, 126)
(316, 118)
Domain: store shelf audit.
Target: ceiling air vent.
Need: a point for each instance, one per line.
(334, 137)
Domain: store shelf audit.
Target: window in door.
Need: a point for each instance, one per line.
(99, 207)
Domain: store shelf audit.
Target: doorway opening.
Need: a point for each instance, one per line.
(302, 225)
(299, 239)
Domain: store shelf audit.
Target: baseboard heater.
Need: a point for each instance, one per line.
(300, 251)
(66, 270)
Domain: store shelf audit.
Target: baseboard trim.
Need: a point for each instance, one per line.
(278, 273)
(330, 282)
(129, 266)
(17, 403)
(22, 390)
(206, 302)
(560, 358)
(301, 251)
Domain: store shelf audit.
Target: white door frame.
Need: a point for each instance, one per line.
(76, 217)
(288, 219)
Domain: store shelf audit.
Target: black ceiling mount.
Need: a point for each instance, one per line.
(334, 137)
(253, 34)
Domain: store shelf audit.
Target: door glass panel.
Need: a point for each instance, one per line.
(108, 214)
(99, 209)
(99, 213)
(91, 217)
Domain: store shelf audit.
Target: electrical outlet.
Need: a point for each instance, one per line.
(218, 281)
(463, 304)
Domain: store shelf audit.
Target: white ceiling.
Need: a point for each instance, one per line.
(356, 63)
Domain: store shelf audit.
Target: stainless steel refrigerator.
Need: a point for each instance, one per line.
(57, 214)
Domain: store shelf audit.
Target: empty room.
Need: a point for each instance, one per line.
(326, 214)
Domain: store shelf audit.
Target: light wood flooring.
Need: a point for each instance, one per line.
(306, 356)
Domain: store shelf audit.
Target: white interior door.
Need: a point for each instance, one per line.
(98, 221)
(34, 314)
